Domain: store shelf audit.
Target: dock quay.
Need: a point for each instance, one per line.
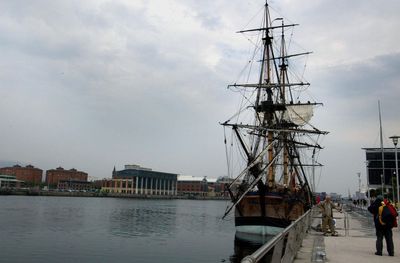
(303, 241)
(356, 240)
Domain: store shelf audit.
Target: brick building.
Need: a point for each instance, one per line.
(53, 176)
(75, 185)
(192, 185)
(202, 186)
(29, 174)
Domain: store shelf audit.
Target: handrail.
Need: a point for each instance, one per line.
(295, 233)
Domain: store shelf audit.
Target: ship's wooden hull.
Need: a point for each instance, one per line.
(279, 212)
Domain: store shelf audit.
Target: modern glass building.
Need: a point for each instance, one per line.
(141, 181)
(9, 181)
(381, 168)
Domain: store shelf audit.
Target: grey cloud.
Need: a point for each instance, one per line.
(351, 93)
(209, 21)
(93, 84)
(366, 81)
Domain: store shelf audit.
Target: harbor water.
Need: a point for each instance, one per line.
(77, 229)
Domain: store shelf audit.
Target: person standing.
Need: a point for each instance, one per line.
(383, 220)
(326, 207)
(317, 199)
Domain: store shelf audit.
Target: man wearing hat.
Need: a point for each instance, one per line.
(326, 207)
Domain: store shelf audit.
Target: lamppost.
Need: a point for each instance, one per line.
(382, 182)
(368, 191)
(393, 184)
(395, 140)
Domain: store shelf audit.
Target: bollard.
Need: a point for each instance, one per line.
(318, 254)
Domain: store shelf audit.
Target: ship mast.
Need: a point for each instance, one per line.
(268, 48)
(273, 139)
(283, 74)
(265, 78)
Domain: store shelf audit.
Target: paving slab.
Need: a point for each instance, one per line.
(355, 244)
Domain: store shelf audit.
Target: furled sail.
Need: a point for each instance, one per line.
(298, 114)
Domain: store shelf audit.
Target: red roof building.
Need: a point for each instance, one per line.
(29, 173)
(53, 176)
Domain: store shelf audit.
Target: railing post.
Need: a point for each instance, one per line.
(347, 224)
(278, 249)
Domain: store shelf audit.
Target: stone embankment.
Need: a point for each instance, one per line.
(35, 192)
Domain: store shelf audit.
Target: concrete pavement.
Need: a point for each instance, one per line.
(355, 242)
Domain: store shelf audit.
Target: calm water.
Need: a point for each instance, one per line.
(73, 229)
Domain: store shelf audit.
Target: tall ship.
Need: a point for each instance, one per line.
(271, 143)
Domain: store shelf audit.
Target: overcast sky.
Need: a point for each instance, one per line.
(97, 83)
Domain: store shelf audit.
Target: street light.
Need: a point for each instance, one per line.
(395, 140)
(368, 190)
(392, 175)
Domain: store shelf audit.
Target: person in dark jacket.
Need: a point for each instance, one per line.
(383, 220)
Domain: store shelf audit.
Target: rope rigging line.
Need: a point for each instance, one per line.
(256, 15)
(226, 153)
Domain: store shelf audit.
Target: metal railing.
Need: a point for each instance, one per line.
(360, 223)
(346, 223)
(284, 245)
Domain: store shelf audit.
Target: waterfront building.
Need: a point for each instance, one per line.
(98, 184)
(381, 169)
(138, 180)
(75, 185)
(202, 186)
(29, 174)
(192, 185)
(10, 181)
(54, 176)
(223, 182)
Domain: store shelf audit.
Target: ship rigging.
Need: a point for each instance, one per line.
(274, 134)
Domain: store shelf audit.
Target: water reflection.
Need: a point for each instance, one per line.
(112, 230)
(247, 244)
(142, 221)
